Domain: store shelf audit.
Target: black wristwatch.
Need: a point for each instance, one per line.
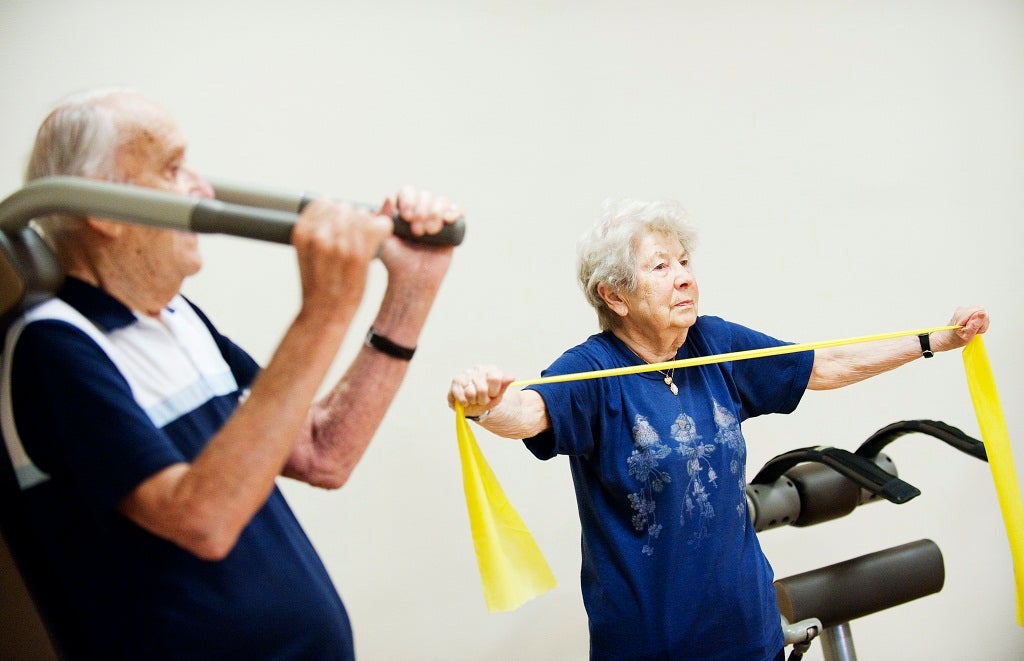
(926, 345)
(386, 346)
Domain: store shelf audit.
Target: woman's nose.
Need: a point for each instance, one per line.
(684, 278)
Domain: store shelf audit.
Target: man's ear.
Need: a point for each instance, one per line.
(110, 229)
(612, 299)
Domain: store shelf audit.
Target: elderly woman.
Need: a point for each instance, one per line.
(672, 567)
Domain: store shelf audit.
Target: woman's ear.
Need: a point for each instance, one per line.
(613, 300)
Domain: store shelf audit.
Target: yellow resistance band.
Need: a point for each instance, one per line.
(997, 446)
(512, 568)
(725, 357)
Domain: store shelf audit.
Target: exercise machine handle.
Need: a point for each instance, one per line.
(282, 200)
(147, 206)
(860, 470)
(940, 430)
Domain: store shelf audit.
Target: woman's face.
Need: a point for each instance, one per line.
(667, 293)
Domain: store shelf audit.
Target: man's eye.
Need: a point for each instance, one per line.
(684, 262)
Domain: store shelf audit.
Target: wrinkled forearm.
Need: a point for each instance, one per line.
(520, 414)
(342, 424)
(835, 367)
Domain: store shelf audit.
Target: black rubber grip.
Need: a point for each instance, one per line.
(450, 235)
(860, 470)
(935, 428)
(869, 475)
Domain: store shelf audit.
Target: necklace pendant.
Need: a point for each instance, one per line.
(671, 386)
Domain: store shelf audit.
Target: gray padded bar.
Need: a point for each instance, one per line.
(248, 212)
(845, 591)
(236, 193)
(79, 196)
(147, 206)
(216, 217)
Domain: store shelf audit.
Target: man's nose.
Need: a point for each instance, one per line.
(196, 185)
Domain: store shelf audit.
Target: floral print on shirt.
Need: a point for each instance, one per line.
(643, 465)
(697, 511)
(729, 436)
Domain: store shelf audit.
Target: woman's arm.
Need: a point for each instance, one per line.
(483, 393)
(836, 367)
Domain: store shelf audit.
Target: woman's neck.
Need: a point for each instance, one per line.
(651, 347)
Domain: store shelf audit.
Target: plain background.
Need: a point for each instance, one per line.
(852, 168)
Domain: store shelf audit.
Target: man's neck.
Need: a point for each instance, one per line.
(140, 297)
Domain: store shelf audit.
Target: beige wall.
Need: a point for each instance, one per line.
(853, 168)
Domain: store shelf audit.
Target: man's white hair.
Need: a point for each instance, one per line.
(79, 137)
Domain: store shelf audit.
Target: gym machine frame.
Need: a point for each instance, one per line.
(800, 488)
(813, 485)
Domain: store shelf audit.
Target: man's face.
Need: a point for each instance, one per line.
(152, 154)
(152, 151)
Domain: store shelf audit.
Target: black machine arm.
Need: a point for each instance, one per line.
(940, 430)
(863, 472)
(812, 485)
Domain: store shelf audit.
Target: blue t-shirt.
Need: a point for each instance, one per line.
(98, 409)
(672, 568)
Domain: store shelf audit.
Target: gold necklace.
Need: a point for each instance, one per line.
(667, 375)
(668, 380)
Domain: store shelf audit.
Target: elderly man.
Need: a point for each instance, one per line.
(155, 441)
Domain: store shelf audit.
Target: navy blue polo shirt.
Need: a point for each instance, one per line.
(96, 400)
